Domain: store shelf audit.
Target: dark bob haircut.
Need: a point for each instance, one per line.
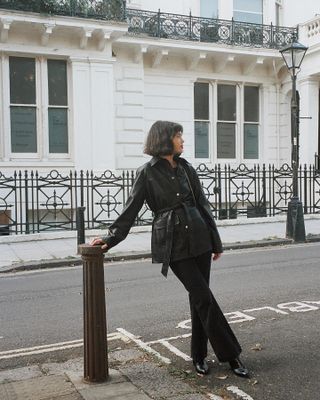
(159, 139)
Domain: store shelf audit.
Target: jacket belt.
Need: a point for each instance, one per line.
(169, 233)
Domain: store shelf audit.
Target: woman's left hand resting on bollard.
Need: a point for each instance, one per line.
(99, 242)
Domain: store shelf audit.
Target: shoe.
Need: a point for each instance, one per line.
(201, 367)
(238, 368)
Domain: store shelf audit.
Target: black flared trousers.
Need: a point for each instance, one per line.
(207, 319)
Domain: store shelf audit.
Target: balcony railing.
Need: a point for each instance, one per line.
(188, 27)
(97, 9)
(164, 25)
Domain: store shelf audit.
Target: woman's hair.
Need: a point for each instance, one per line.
(159, 139)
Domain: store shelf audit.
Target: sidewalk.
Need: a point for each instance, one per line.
(134, 374)
(55, 249)
(137, 377)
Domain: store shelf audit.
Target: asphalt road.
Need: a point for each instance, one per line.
(271, 295)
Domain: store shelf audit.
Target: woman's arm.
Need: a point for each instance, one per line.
(120, 228)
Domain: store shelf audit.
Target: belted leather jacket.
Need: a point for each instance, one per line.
(162, 196)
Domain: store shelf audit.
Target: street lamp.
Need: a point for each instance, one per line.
(293, 56)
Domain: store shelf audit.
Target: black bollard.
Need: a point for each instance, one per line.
(94, 315)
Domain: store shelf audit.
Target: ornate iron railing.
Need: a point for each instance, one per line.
(188, 27)
(31, 203)
(97, 9)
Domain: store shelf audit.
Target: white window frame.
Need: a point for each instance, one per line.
(210, 129)
(243, 122)
(42, 106)
(239, 125)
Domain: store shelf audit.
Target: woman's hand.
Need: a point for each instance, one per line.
(98, 242)
(216, 256)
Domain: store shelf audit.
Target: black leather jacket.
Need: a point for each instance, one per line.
(161, 194)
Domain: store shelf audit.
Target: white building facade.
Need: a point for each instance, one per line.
(81, 92)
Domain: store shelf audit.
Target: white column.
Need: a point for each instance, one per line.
(309, 107)
(92, 114)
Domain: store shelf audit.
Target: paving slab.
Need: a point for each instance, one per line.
(42, 388)
(120, 391)
(156, 381)
(19, 374)
(126, 355)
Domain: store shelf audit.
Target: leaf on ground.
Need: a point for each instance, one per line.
(257, 347)
(222, 377)
(254, 382)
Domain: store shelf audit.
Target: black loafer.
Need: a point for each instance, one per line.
(201, 367)
(238, 368)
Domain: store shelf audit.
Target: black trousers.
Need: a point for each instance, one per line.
(207, 319)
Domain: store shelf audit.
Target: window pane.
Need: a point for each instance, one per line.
(251, 141)
(22, 80)
(248, 17)
(23, 130)
(58, 130)
(57, 82)
(201, 100)
(248, 5)
(209, 8)
(201, 132)
(226, 140)
(251, 104)
(226, 103)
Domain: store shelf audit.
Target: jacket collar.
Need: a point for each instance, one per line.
(156, 159)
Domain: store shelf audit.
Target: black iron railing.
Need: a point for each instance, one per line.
(188, 27)
(97, 9)
(31, 203)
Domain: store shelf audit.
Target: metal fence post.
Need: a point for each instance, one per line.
(80, 225)
(94, 315)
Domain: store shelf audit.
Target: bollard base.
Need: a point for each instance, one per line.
(295, 221)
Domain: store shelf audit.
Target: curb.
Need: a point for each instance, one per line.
(67, 262)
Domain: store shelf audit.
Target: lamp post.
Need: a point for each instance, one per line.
(293, 56)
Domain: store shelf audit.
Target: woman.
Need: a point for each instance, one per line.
(184, 237)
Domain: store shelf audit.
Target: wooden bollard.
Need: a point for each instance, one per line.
(94, 315)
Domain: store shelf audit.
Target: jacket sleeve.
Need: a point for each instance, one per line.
(204, 204)
(120, 228)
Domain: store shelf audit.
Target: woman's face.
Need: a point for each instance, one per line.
(177, 142)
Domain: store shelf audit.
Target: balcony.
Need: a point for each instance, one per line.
(163, 25)
(226, 32)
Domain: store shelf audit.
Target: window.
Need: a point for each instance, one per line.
(23, 105)
(209, 8)
(248, 11)
(234, 135)
(226, 126)
(58, 106)
(28, 105)
(251, 123)
(201, 116)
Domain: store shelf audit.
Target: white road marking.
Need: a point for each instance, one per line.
(28, 351)
(144, 346)
(175, 351)
(266, 308)
(237, 317)
(186, 335)
(240, 316)
(240, 393)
